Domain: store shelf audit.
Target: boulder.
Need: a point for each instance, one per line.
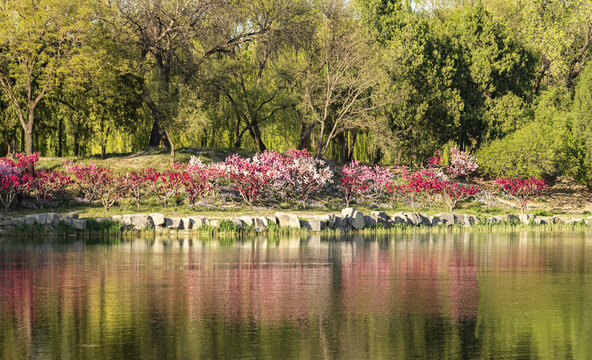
(312, 224)
(540, 221)
(526, 218)
(370, 221)
(126, 220)
(157, 219)
(436, 221)
(354, 217)
(413, 219)
(449, 219)
(141, 221)
(248, 220)
(214, 223)
(271, 220)
(198, 221)
(260, 223)
(287, 220)
(116, 218)
(175, 224)
(187, 223)
(425, 220)
(398, 219)
(73, 214)
(239, 223)
(379, 215)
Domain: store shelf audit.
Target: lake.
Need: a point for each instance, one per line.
(403, 296)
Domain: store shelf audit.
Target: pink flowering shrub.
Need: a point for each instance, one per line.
(363, 181)
(250, 177)
(522, 190)
(164, 185)
(461, 163)
(298, 175)
(97, 182)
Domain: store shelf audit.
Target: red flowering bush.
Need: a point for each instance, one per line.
(363, 181)
(11, 186)
(453, 193)
(198, 181)
(165, 185)
(133, 186)
(48, 184)
(522, 190)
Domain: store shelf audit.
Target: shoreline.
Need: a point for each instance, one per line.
(350, 220)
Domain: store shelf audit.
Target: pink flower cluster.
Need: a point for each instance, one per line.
(461, 163)
(522, 190)
(363, 181)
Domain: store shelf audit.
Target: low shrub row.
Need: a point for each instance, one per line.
(265, 179)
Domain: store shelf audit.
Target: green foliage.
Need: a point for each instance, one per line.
(583, 123)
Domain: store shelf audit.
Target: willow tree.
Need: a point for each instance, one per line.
(37, 39)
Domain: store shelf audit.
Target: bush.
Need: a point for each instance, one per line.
(522, 190)
(363, 181)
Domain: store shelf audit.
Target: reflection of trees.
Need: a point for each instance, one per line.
(414, 295)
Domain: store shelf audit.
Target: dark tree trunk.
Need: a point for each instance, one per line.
(376, 155)
(22, 139)
(305, 132)
(158, 136)
(256, 135)
(60, 135)
(351, 142)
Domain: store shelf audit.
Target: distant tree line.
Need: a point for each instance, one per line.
(380, 81)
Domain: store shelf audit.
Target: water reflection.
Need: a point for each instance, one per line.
(405, 296)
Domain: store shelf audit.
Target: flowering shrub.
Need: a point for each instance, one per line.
(48, 184)
(298, 174)
(11, 186)
(461, 163)
(453, 193)
(165, 185)
(522, 190)
(133, 186)
(198, 181)
(250, 177)
(363, 181)
(25, 163)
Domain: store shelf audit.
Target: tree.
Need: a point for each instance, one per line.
(37, 39)
(339, 76)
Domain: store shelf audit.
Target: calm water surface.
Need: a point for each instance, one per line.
(505, 295)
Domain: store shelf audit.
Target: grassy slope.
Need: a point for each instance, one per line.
(563, 198)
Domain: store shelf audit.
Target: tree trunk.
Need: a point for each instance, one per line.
(22, 139)
(171, 145)
(158, 137)
(29, 141)
(376, 155)
(256, 135)
(60, 135)
(351, 141)
(305, 132)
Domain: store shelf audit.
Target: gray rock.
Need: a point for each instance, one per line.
(198, 221)
(370, 221)
(540, 221)
(379, 215)
(126, 220)
(413, 219)
(449, 219)
(238, 222)
(116, 218)
(354, 217)
(79, 224)
(260, 223)
(157, 219)
(175, 224)
(5, 222)
(526, 218)
(271, 220)
(555, 220)
(248, 220)
(328, 219)
(339, 222)
(436, 221)
(425, 220)
(287, 220)
(398, 219)
(141, 221)
(53, 219)
(187, 223)
(312, 224)
(73, 214)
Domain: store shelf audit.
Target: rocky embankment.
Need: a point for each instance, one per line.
(350, 219)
